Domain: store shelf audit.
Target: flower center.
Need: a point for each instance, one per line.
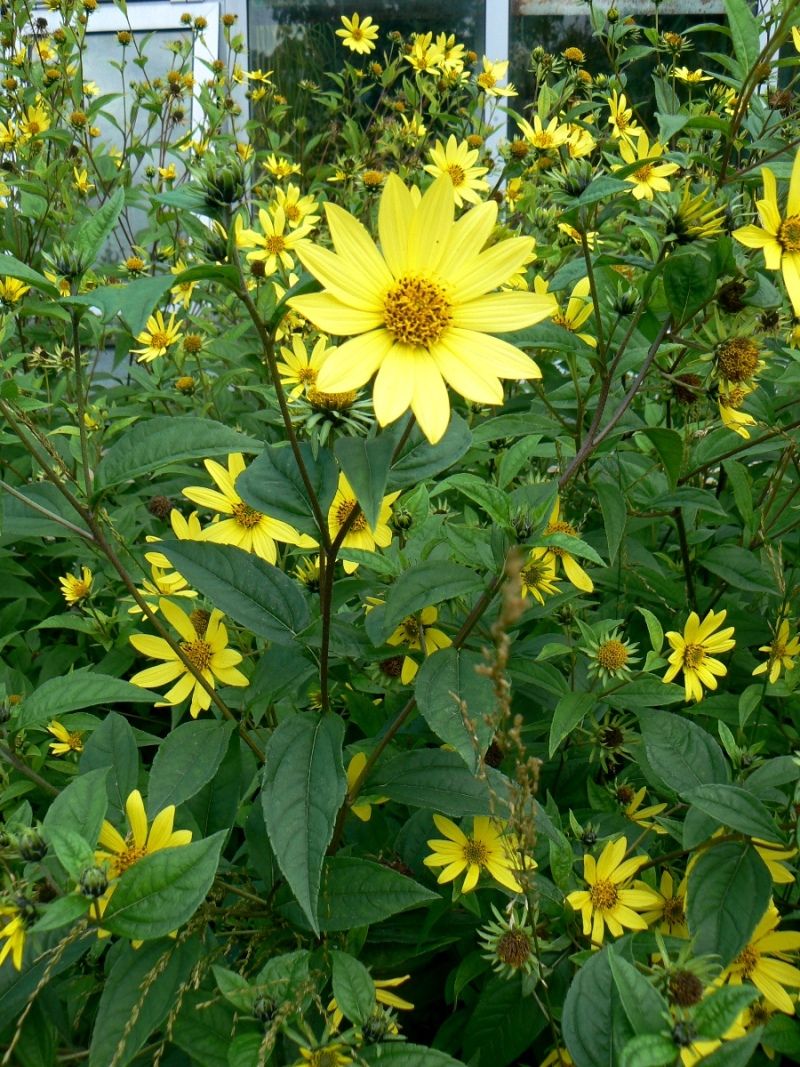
(534, 573)
(126, 859)
(416, 311)
(643, 174)
(475, 852)
(331, 401)
(411, 628)
(674, 915)
(357, 34)
(75, 741)
(621, 120)
(514, 948)
(737, 358)
(612, 655)
(275, 244)
(543, 140)
(486, 80)
(307, 374)
(159, 339)
(457, 175)
(693, 656)
(604, 895)
(198, 652)
(789, 234)
(292, 212)
(343, 513)
(246, 516)
(562, 320)
(747, 960)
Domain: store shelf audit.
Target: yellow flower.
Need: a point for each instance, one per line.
(609, 902)
(329, 1056)
(169, 173)
(14, 932)
(62, 284)
(81, 181)
(244, 151)
(796, 37)
(693, 653)
(414, 129)
(692, 77)
(559, 1057)
(575, 235)
(781, 653)
(650, 177)
(35, 122)
(280, 168)
(75, 589)
(297, 209)
(363, 809)
(491, 74)
(9, 135)
(66, 741)
(580, 142)
(623, 125)
(183, 290)
(359, 35)
(700, 1048)
(418, 633)
(275, 244)
(538, 576)
(12, 290)
(206, 648)
(573, 570)
(157, 337)
(544, 137)
(246, 528)
(779, 239)
(298, 369)
(489, 848)
(452, 54)
(773, 856)
(669, 906)
(424, 56)
(163, 584)
(422, 311)
(579, 308)
(730, 399)
(383, 995)
(456, 161)
(643, 816)
(264, 77)
(764, 963)
(360, 535)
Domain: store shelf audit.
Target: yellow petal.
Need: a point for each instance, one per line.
(501, 312)
(137, 820)
(394, 219)
(394, 385)
(333, 317)
(430, 402)
(178, 618)
(353, 363)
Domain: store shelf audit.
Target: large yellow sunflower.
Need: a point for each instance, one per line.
(693, 653)
(779, 239)
(421, 311)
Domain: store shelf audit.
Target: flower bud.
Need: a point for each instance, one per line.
(93, 882)
(31, 845)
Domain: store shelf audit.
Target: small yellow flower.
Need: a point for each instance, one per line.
(359, 35)
(206, 649)
(623, 125)
(299, 370)
(183, 290)
(491, 75)
(383, 995)
(424, 56)
(418, 633)
(774, 856)
(781, 653)
(363, 808)
(609, 902)
(12, 290)
(163, 584)
(691, 77)
(244, 151)
(35, 122)
(75, 589)
(732, 396)
(650, 177)
(572, 569)
(579, 308)
(81, 181)
(168, 173)
(538, 576)
(669, 906)
(280, 168)
(360, 535)
(274, 245)
(643, 816)
(329, 1056)
(693, 653)
(66, 741)
(489, 849)
(184, 530)
(764, 962)
(580, 142)
(457, 161)
(297, 209)
(15, 932)
(157, 337)
(544, 137)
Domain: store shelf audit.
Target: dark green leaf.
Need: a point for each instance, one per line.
(615, 515)
(304, 787)
(488, 497)
(215, 806)
(745, 32)
(273, 485)
(404, 1054)
(735, 1053)
(10, 267)
(570, 711)
(113, 745)
(586, 1022)
(717, 1012)
(420, 460)
(729, 892)
(736, 808)
(648, 1050)
(681, 752)
(235, 989)
(365, 462)
(420, 587)
(688, 285)
(187, 758)
(353, 987)
(438, 780)
(161, 891)
(163, 442)
(254, 593)
(93, 231)
(358, 892)
(602, 188)
(81, 807)
(133, 302)
(669, 446)
(81, 689)
(503, 1023)
(447, 682)
(62, 911)
(642, 1003)
(738, 567)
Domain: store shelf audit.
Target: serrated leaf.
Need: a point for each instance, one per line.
(62, 911)
(251, 591)
(615, 515)
(133, 302)
(94, 230)
(358, 892)
(682, 753)
(732, 806)
(446, 682)
(405, 1054)
(669, 446)
(641, 1002)
(420, 459)
(717, 1012)
(421, 586)
(79, 809)
(570, 711)
(488, 497)
(113, 745)
(648, 1050)
(304, 787)
(688, 285)
(438, 780)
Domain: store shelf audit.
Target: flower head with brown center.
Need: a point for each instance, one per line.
(608, 902)
(274, 245)
(572, 569)
(418, 633)
(764, 961)
(358, 34)
(360, 534)
(457, 160)
(781, 652)
(75, 589)
(694, 651)
(538, 575)
(157, 337)
(738, 358)
(489, 849)
(66, 740)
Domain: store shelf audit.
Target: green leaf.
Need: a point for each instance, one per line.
(81, 689)
(235, 989)
(603, 187)
(574, 545)
(745, 32)
(113, 745)
(446, 682)
(187, 758)
(681, 752)
(729, 891)
(72, 850)
(304, 787)
(164, 441)
(62, 911)
(420, 459)
(419, 587)
(738, 567)
(404, 1054)
(365, 463)
(215, 806)
(570, 711)
(586, 1020)
(735, 1053)
(251, 591)
(203, 1030)
(654, 628)
(273, 485)
(10, 267)
(161, 891)
(503, 1023)
(357, 892)
(645, 692)
(642, 1003)
(80, 808)
(133, 302)
(353, 987)
(782, 1033)
(137, 995)
(438, 780)
(615, 515)
(717, 1012)
(736, 808)
(96, 227)
(488, 497)
(648, 1050)
(688, 285)
(669, 446)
